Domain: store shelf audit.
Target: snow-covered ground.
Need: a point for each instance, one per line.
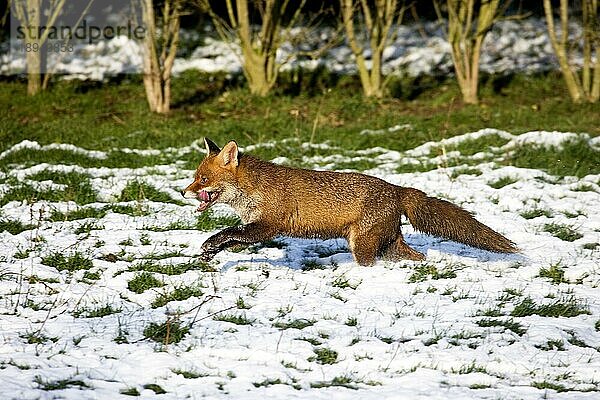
(511, 46)
(298, 318)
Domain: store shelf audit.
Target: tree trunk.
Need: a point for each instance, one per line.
(30, 14)
(377, 28)
(34, 67)
(159, 54)
(466, 41)
(33, 57)
(560, 49)
(259, 63)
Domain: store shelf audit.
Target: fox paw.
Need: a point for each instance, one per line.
(206, 256)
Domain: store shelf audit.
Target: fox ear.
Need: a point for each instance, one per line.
(211, 147)
(229, 154)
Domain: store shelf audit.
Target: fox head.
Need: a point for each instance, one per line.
(215, 179)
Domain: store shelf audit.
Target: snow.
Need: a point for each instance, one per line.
(417, 49)
(412, 338)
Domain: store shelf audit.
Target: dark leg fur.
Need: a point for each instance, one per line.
(245, 234)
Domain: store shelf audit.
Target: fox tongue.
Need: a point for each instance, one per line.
(204, 195)
(204, 198)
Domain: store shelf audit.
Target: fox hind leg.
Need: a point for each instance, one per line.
(366, 244)
(364, 253)
(400, 250)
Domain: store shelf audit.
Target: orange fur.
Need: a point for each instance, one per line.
(277, 200)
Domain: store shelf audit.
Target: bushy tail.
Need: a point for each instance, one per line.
(441, 218)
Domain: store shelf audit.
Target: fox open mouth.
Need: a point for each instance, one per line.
(206, 199)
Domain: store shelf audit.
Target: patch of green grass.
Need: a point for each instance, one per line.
(126, 242)
(469, 369)
(407, 168)
(490, 312)
(268, 382)
(536, 212)
(313, 341)
(509, 324)
(240, 304)
(456, 172)
(355, 163)
(555, 273)
(341, 381)
(311, 265)
(178, 294)
(130, 392)
(477, 386)
(323, 355)
(145, 239)
(237, 319)
(161, 256)
(509, 294)
(37, 337)
(344, 283)
(573, 214)
(78, 189)
(87, 227)
(425, 271)
(60, 384)
(73, 262)
(558, 345)
(573, 158)
(137, 210)
(466, 335)
(115, 158)
(386, 339)
(139, 191)
(562, 232)
(170, 268)
(155, 388)
(206, 221)
(188, 374)
(483, 143)
(549, 385)
(563, 307)
(295, 324)
(99, 312)
(166, 333)
(591, 246)
(33, 279)
(501, 182)
(583, 187)
(142, 282)
(115, 114)
(92, 276)
(13, 226)
(78, 213)
(575, 341)
(22, 254)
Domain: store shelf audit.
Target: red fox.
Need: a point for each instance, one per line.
(276, 200)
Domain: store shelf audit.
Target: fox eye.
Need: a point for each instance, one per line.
(203, 180)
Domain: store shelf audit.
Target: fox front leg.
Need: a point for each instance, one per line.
(245, 234)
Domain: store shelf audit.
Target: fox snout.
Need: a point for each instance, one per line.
(206, 198)
(201, 195)
(189, 194)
